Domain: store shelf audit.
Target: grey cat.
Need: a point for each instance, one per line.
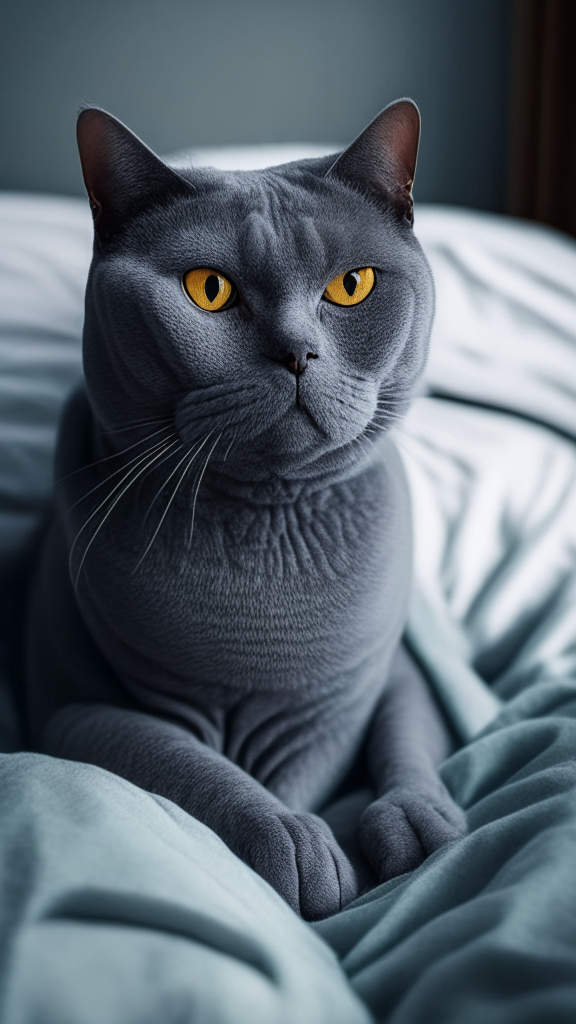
(219, 608)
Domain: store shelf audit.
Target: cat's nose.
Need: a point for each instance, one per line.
(297, 363)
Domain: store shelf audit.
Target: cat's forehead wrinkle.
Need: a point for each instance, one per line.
(257, 239)
(279, 224)
(263, 243)
(310, 245)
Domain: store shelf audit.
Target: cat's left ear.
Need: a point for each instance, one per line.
(122, 176)
(383, 158)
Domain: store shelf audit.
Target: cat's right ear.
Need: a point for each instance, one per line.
(122, 176)
(382, 160)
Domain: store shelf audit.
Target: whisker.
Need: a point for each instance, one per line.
(407, 445)
(140, 455)
(351, 406)
(198, 487)
(137, 425)
(168, 479)
(352, 377)
(145, 458)
(172, 496)
(229, 391)
(239, 416)
(110, 509)
(115, 455)
(230, 445)
(364, 440)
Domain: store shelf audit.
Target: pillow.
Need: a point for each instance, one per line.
(44, 261)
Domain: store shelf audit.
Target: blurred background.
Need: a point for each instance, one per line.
(495, 80)
(193, 73)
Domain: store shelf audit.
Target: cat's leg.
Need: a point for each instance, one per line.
(295, 852)
(413, 814)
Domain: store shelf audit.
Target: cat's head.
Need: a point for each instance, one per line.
(277, 318)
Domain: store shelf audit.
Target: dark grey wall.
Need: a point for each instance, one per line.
(191, 72)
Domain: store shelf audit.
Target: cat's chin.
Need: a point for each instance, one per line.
(265, 461)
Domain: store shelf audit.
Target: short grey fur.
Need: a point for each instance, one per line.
(218, 612)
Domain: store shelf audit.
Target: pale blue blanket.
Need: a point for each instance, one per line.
(118, 908)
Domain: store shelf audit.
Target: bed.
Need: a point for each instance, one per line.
(119, 907)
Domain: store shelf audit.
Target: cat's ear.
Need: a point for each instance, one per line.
(122, 176)
(383, 157)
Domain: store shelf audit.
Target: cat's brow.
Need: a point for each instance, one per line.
(310, 244)
(261, 241)
(258, 240)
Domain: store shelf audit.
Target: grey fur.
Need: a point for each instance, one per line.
(219, 609)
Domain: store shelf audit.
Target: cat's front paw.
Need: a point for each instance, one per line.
(299, 856)
(403, 827)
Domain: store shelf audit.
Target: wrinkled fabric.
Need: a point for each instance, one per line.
(486, 929)
(505, 326)
(118, 907)
(494, 503)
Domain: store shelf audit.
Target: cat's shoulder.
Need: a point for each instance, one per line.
(75, 434)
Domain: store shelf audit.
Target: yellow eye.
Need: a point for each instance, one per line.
(350, 288)
(209, 289)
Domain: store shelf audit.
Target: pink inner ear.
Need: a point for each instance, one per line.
(93, 135)
(120, 173)
(400, 136)
(95, 206)
(384, 156)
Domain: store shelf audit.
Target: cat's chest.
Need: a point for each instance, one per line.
(250, 596)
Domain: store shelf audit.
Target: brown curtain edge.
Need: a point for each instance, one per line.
(542, 155)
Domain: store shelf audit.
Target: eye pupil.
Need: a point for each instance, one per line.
(350, 280)
(350, 288)
(212, 287)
